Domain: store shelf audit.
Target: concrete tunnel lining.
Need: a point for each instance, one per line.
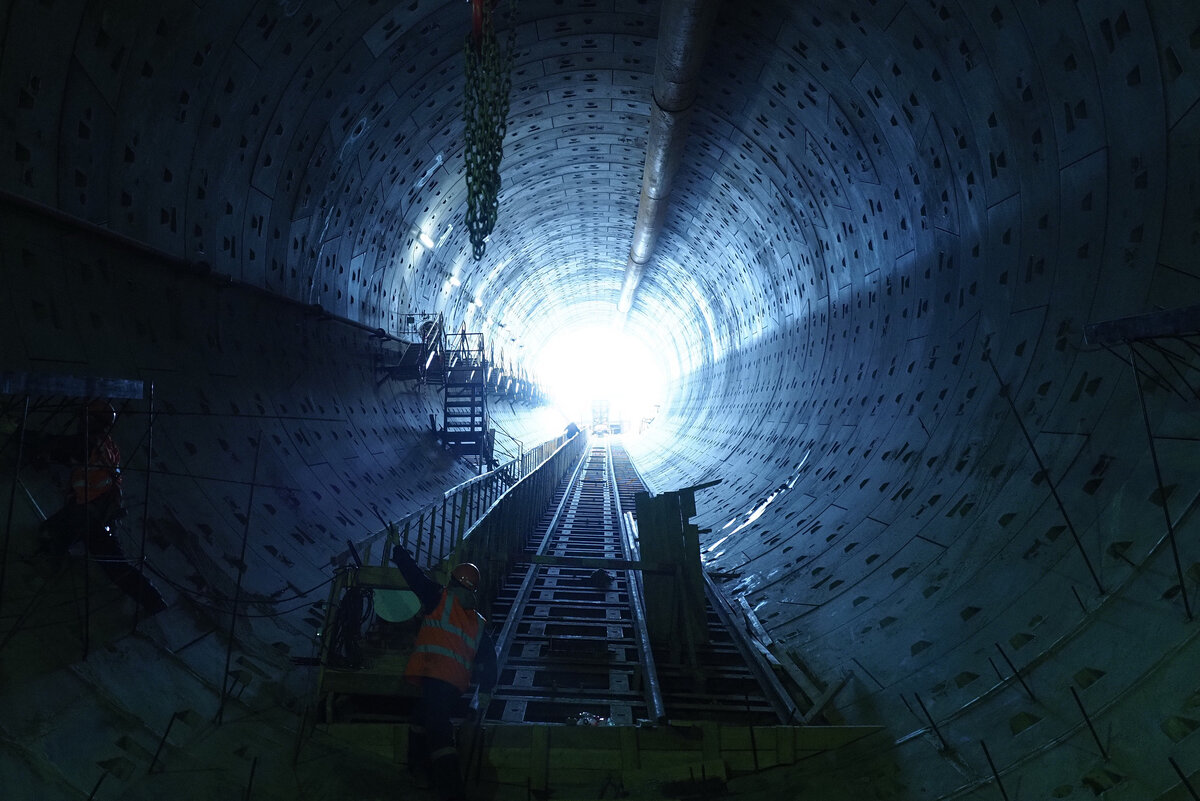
(875, 199)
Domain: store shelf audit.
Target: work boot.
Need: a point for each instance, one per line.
(419, 767)
(447, 775)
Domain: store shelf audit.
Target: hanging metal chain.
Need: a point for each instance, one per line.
(485, 112)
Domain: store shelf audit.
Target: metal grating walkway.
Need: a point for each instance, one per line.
(572, 642)
(569, 636)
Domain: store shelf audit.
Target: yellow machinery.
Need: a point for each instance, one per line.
(370, 623)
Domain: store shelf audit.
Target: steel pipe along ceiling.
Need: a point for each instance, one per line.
(684, 30)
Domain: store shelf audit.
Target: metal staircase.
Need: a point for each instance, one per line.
(415, 353)
(464, 391)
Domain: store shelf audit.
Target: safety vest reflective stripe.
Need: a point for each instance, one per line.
(427, 648)
(101, 474)
(446, 624)
(446, 644)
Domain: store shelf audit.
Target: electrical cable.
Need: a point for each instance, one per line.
(72, 601)
(278, 613)
(355, 612)
(197, 596)
(59, 623)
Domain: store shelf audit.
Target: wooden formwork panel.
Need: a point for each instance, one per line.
(554, 755)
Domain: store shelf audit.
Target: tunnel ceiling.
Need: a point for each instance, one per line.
(304, 148)
(891, 220)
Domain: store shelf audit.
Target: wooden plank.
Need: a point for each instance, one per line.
(376, 576)
(387, 680)
(520, 737)
(564, 784)
(764, 738)
(670, 738)
(688, 771)
(820, 702)
(539, 758)
(826, 738)
(745, 762)
(630, 755)
(735, 738)
(400, 736)
(571, 759)
(754, 624)
(810, 690)
(366, 684)
(712, 740)
(590, 738)
(374, 738)
(785, 745)
(765, 652)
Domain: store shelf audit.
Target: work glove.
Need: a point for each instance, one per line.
(485, 700)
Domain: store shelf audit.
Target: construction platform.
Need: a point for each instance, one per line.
(623, 671)
(679, 760)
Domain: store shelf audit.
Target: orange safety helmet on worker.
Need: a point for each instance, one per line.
(102, 473)
(446, 645)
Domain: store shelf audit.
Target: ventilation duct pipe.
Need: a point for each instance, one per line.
(683, 34)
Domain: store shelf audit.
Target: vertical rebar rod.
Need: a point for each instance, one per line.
(416, 551)
(462, 519)
(237, 594)
(432, 539)
(87, 529)
(1082, 605)
(96, 789)
(1016, 672)
(162, 741)
(137, 607)
(1187, 607)
(1004, 391)
(250, 783)
(442, 532)
(995, 773)
(434, 535)
(1087, 719)
(432, 525)
(12, 498)
(1183, 778)
(1172, 360)
(300, 734)
(932, 725)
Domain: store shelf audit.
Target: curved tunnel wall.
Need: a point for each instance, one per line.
(876, 201)
(275, 443)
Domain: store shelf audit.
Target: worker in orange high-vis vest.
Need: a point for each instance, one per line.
(452, 649)
(94, 502)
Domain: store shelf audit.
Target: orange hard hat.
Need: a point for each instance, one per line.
(467, 575)
(101, 414)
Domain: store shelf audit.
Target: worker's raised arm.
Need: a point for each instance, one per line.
(428, 591)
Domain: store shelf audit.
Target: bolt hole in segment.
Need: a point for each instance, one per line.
(603, 377)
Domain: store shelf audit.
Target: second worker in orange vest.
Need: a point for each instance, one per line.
(452, 649)
(94, 503)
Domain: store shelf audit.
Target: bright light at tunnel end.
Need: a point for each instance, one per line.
(582, 368)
